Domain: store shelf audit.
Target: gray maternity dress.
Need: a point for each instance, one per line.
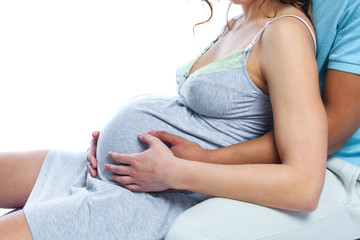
(218, 105)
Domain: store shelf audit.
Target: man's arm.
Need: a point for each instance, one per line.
(341, 97)
(260, 150)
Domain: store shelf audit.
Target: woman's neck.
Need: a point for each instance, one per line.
(257, 9)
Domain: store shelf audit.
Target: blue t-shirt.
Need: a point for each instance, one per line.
(337, 25)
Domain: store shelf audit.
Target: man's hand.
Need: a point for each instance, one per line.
(183, 148)
(91, 154)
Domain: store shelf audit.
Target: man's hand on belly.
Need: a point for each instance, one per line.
(183, 148)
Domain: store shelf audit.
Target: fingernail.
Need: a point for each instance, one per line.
(152, 132)
(113, 155)
(141, 134)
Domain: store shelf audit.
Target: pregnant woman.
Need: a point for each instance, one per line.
(259, 74)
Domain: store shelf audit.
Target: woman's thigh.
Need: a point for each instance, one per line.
(14, 226)
(18, 174)
(337, 216)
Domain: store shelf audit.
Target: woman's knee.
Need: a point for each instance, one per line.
(18, 174)
(14, 226)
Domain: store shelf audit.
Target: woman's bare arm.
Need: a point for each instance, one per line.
(300, 131)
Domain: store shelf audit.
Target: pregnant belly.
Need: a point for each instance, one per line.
(158, 113)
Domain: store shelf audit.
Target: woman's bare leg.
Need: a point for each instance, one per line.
(14, 226)
(18, 174)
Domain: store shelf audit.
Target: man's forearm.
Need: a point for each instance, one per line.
(261, 151)
(341, 100)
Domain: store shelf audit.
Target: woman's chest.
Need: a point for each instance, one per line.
(223, 91)
(220, 49)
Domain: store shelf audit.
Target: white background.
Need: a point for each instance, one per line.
(66, 66)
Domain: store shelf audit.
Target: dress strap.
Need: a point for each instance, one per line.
(256, 38)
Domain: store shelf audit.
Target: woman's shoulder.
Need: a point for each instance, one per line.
(291, 19)
(287, 38)
(289, 29)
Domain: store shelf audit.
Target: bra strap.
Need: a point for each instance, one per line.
(257, 36)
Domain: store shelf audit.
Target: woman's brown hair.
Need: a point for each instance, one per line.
(210, 17)
(303, 5)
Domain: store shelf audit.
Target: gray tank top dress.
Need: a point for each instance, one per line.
(218, 105)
